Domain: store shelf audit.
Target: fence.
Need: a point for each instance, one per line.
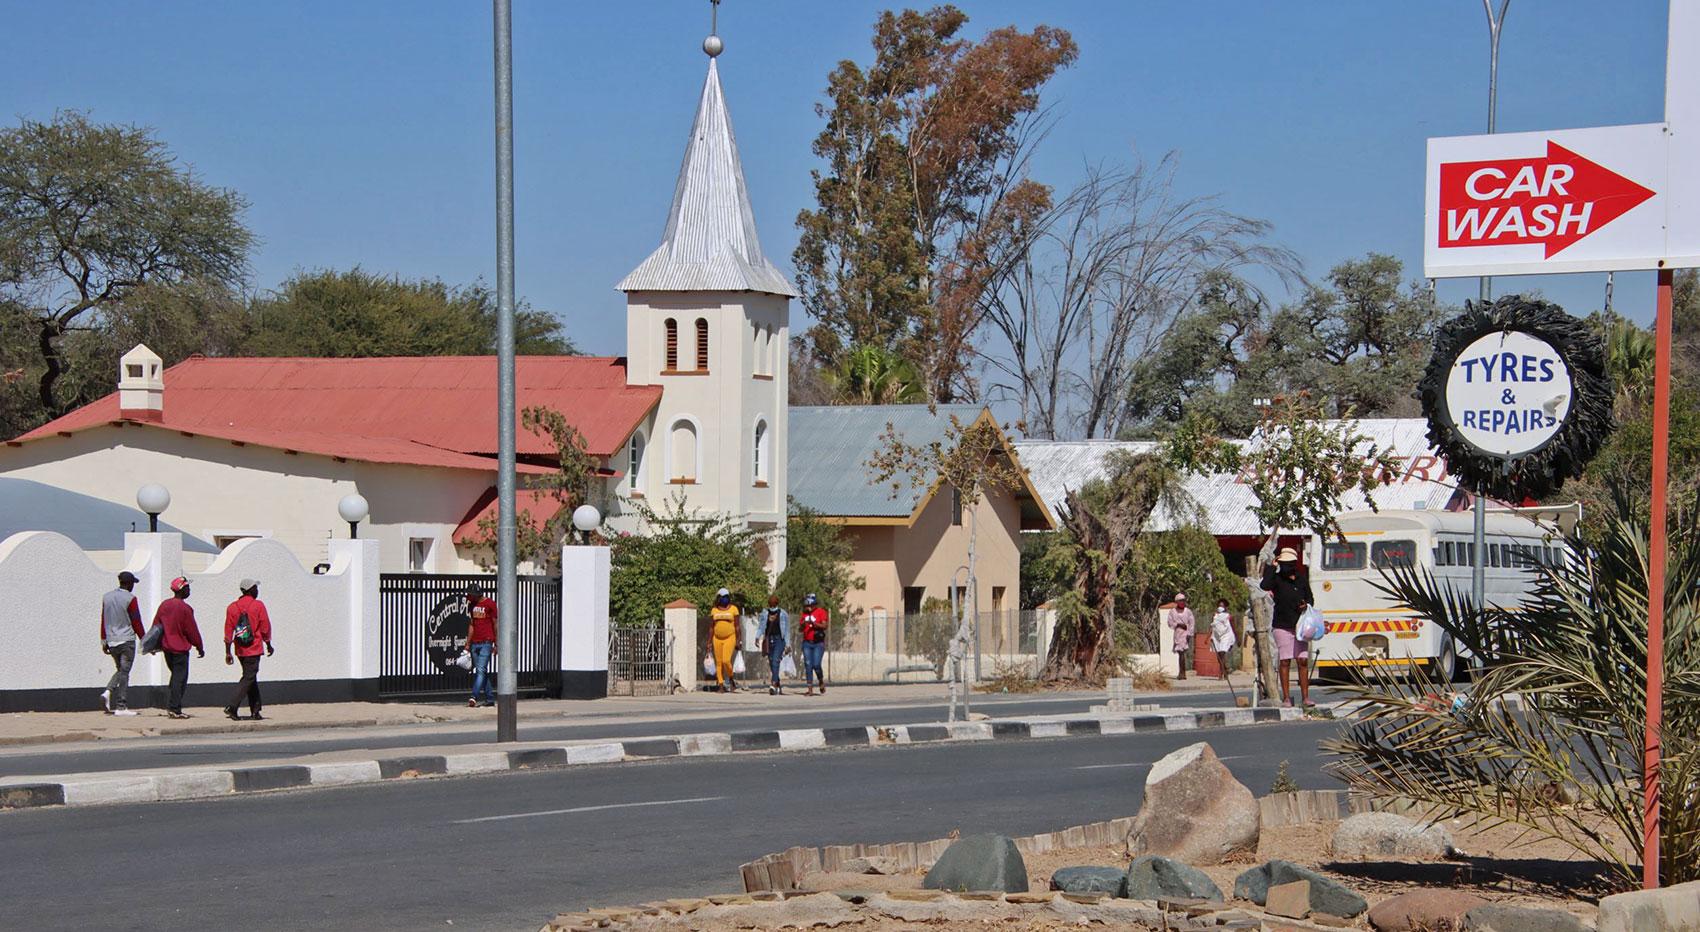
(424, 624)
(880, 648)
(640, 662)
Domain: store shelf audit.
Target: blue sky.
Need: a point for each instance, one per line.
(360, 131)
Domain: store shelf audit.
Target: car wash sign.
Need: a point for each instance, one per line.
(1508, 393)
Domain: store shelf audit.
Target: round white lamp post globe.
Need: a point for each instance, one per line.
(353, 509)
(586, 518)
(153, 498)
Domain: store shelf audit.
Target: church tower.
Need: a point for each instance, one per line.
(708, 320)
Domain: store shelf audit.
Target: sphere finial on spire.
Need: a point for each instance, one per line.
(712, 46)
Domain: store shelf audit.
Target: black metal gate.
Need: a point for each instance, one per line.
(424, 623)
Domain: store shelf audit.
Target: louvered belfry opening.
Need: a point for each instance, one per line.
(702, 344)
(672, 344)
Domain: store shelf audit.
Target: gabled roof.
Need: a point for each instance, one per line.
(830, 447)
(428, 411)
(710, 242)
(538, 504)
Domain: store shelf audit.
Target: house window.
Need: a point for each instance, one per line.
(419, 554)
(761, 452)
(997, 598)
(634, 464)
(912, 599)
(134, 370)
(672, 328)
(683, 453)
(956, 507)
(223, 541)
(702, 344)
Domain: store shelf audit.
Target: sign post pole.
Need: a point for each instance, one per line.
(1656, 586)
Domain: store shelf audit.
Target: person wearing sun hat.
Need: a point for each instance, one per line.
(1182, 622)
(179, 635)
(1288, 585)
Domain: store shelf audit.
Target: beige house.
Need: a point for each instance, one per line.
(910, 546)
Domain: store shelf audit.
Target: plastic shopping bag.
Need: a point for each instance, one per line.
(708, 664)
(1311, 625)
(738, 663)
(788, 666)
(464, 660)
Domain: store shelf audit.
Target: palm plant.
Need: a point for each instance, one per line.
(1566, 762)
(874, 375)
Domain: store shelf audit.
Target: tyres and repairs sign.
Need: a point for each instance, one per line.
(1508, 393)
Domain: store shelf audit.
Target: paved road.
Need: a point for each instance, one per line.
(400, 856)
(138, 753)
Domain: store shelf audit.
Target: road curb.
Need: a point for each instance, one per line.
(173, 785)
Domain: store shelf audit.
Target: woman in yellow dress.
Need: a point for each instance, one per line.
(725, 618)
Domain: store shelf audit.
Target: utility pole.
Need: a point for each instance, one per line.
(507, 653)
(1478, 556)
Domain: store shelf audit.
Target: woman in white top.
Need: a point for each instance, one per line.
(1222, 635)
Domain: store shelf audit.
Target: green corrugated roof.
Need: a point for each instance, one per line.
(830, 447)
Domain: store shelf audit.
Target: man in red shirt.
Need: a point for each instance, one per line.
(248, 629)
(481, 641)
(180, 634)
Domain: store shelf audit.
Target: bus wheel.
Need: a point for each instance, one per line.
(1446, 665)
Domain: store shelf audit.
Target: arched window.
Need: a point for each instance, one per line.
(702, 344)
(762, 454)
(684, 452)
(634, 464)
(672, 328)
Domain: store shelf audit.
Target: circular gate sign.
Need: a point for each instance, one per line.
(446, 631)
(1508, 393)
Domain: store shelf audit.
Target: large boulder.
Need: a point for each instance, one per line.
(1111, 880)
(1496, 918)
(1194, 810)
(1372, 836)
(1151, 876)
(1423, 911)
(979, 862)
(1327, 895)
(1668, 909)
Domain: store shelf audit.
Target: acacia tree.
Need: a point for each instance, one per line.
(89, 213)
(571, 484)
(975, 461)
(1298, 467)
(924, 192)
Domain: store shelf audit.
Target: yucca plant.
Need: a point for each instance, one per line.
(1566, 761)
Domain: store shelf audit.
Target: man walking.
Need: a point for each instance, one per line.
(773, 642)
(247, 629)
(120, 626)
(813, 624)
(180, 634)
(1182, 622)
(481, 641)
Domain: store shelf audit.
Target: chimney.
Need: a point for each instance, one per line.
(141, 385)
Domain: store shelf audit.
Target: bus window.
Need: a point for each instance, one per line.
(1493, 554)
(1386, 553)
(1439, 555)
(1342, 555)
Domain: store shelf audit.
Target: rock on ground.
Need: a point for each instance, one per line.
(1111, 880)
(1372, 835)
(1496, 918)
(1291, 900)
(979, 862)
(872, 864)
(1151, 876)
(1667, 909)
(1327, 895)
(1423, 911)
(1194, 810)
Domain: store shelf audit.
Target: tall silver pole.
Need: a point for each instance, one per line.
(507, 653)
(1478, 577)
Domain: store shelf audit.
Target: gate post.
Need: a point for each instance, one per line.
(584, 622)
(356, 561)
(680, 617)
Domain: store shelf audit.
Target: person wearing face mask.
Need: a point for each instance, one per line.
(776, 623)
(1222, 634)
(1288, 585)
(814, 622)
(724, 619)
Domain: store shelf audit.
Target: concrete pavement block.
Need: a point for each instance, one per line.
(1291, 715)
(195, 784)
(1047, 729)
(250, 779)
(345, 772)
(698, 745)
(652, 747)
(526, 758)
(30, 795)
(899, 734)
(419, 766)
(608, 753)
(1187, 722)
(103, 790)
(1083, 726)
(1011, 730)
(1239, 717)
(971, 731)
(920, 733)
(755, 740)
(485, 762)
(801, 739)
(852, 736)
(1115, 726)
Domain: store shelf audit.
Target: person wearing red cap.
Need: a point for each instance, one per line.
(180, 634)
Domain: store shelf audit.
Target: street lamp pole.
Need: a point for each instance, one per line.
(507, 654)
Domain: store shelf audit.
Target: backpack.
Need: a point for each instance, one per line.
(244, 634)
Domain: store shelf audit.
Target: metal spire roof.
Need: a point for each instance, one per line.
(710, 242)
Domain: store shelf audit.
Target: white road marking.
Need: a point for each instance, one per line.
(549, 812)
(1145, 763)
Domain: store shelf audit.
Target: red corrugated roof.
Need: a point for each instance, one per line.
(424, 410)
(541, 505)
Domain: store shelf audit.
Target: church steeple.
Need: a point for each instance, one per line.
(710, 243)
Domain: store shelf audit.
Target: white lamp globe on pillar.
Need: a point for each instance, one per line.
(152, 499)
(353, 509)
(586, 518)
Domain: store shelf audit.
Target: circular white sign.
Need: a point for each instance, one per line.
(1508, 393)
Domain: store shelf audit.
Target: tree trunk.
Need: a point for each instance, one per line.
(54, 365)
(1262, 613)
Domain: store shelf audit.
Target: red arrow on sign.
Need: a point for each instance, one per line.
(1554, 201)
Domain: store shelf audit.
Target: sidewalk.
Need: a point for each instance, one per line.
(31, 728)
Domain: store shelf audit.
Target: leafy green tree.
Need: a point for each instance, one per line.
(923, 196)
(90, 214)
(569, 486)
(682, 555)
(358, 313)
(818, 560)
(874, 375)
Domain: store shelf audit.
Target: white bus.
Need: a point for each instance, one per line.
(1367, 627)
